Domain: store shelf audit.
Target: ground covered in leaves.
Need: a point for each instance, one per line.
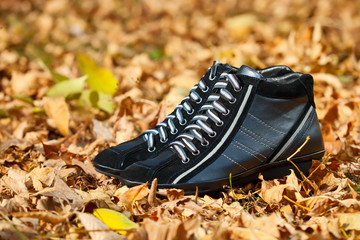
(54, 119)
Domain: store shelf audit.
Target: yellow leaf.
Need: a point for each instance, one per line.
(99, 79)
(114, 219)
(57, 109)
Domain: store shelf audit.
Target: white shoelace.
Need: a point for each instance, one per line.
(162, 128)
(210, 110)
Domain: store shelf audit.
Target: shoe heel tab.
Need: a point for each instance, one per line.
(275, 71)
(308, 83)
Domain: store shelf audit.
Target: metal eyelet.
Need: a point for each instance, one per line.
(185, 161)
(176, 131)
(212, 135)
(196, 153)
(164, 141)
(232, 101)
(238, 90)
(205, 143)
(226, 113)
(191, 112)
(205, 90)
(199, 101)
(152, 149)
(183, 123)
(220, 123)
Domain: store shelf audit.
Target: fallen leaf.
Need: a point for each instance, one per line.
(16, 182)
(240, 25)
(62, 191)
(99, 79)
(42, 176)
(349, 221)
(96, 228)
(115, 220)
(45, 216)
(24, 83)
(67, 88)
(57, 109)
(272, 191)
(174, 194)
(133, 194)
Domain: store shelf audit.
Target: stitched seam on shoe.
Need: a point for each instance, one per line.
(266, 140)
(233, 161)
(223, 129)
(142, 166)
(266, 124)
(113, 151)
(250, 149)
(302, 136)
(292, 138)
(247, 152)
(264, 144)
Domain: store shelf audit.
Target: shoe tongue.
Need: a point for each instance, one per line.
(247, 71)
(224, 67)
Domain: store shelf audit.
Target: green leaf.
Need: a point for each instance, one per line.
(99, 79)
(85, 98)
(3, 113)
(114, 220)
(67, 88)
(56, 76)
(156, 54)
(24, 98)
(105, 103)
(98, 100)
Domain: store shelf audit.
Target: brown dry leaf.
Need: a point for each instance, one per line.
(62, 191)
(24, 83)
(239, 26)
(169, 230)
(325, 226)
(100, 198)
(349, 221)
(174, 194)
(211, 203)
(57, 109)
(15, 181)
(249, 234)
(133, 194)
(155, 74)
(7, 231)
(234, 209)
(45, 216)
(42, 176)
(97, 229)
(152, 193)
(272, 191)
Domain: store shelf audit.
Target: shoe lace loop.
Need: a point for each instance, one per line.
(212, 109)
(162, 128)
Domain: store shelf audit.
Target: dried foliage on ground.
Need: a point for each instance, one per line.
(157, 50)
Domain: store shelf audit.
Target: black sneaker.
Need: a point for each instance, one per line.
(112, 161)
(249, 124)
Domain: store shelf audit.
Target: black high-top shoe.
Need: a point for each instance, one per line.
(248, 125)
(112, 161)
